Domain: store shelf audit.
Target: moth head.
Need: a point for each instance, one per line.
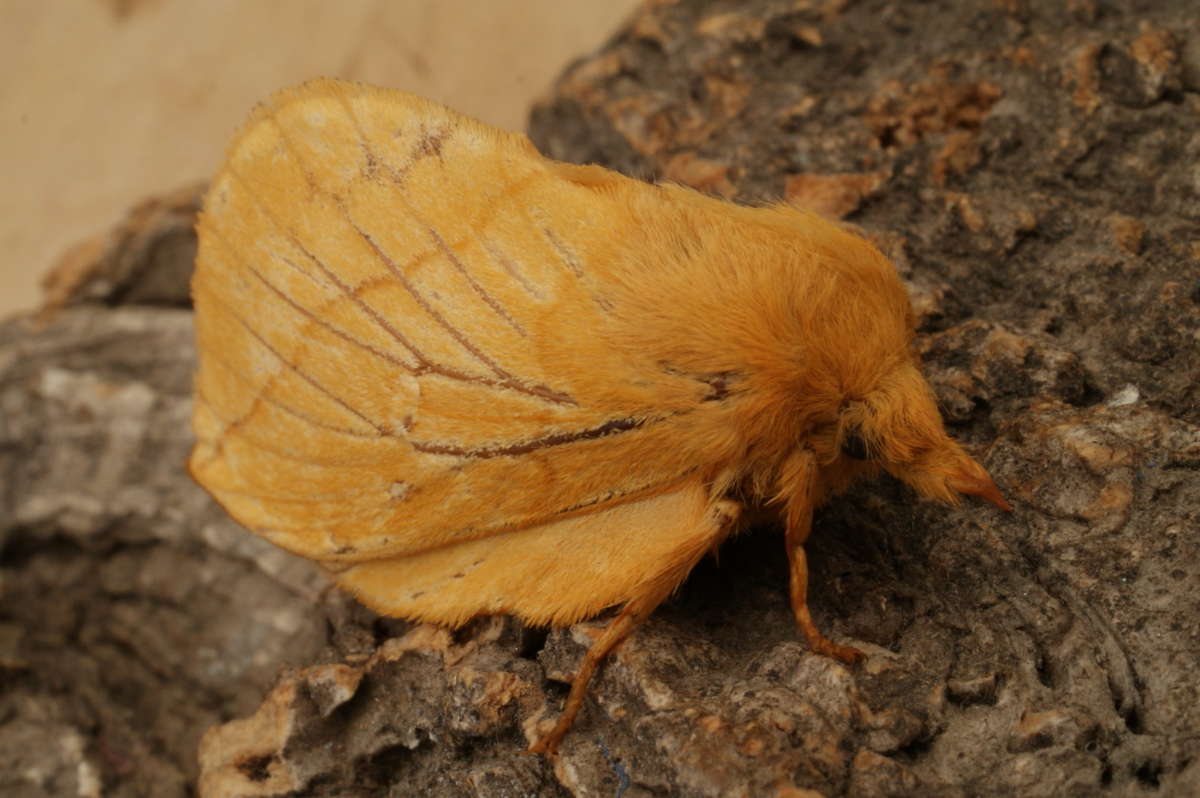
(898, 428)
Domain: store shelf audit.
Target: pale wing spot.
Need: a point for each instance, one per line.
(398, 491)
(218, 195)
(315, 118)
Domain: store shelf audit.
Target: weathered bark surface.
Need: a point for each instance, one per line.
(1032, 168)
(133, 614)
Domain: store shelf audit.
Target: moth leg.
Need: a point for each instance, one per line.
(632, 614)
(799, 524)
(799, 590)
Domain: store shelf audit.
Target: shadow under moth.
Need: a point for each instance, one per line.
(468, 379)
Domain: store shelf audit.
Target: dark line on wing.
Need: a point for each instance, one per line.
(433, 312)
(325, 270)
(599, 503)
(510, 267)
(612, 427)
(425, 366)
(386, 259)
(300, 373)
(721, 384)
(564, 252)
(343, 496)
(507, 380)
(631, 495)
(370, 168)
(305, 312)
(428, 143)
(479, 289)
(306, 458)
(289, 262)
(320, 322)
(255, 402)
(270, 400)
(428, 146)
(318, 189)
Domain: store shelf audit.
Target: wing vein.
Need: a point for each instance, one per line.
(506, 263)
(382, 431)
(382, 256)
(488, 299)
(420, 299)
(305, 458)
(322, 323)
(506, 378)
(262, 396)
(313, 317)
(425, 365)
(568, 256)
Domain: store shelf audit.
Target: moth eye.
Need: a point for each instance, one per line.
(854, 446)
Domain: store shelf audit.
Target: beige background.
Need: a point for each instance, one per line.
(104, 102)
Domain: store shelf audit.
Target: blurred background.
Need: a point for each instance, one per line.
(106, 102)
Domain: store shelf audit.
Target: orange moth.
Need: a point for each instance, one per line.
(468, 379)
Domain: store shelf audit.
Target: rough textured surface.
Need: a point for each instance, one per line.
(1031, 169)
(133, 614)
(146, 260)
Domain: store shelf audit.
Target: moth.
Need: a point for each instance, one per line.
(468, 379)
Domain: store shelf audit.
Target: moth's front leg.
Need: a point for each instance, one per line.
(799, 590)
(800, 473)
